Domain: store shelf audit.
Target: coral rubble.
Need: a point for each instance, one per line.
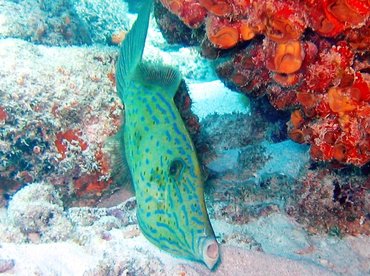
(336, 202)
(6, 264)
(62, 23)
(308, 57)
(56, 122)
(37, 211)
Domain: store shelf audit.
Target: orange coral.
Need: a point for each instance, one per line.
(3, 114)
(284, 25)
(339, 102)
(247, 32)
(221, 32)
(359, 39)
(288, 57)
(217, 7)
(90, 184)
(306, 99)
(296, 118)
(297, 67)
(72, 136)
(331, 17)
(118, 37)
(190, 11)
(341, 126)
(285, 79)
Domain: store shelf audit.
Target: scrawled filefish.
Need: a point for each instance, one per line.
(160, 154)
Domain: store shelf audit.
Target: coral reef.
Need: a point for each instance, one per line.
(99, 234)
(173, 29)
(59, 105)
(37, 211)
(63, 22)
(43, 22)
(249, 178)
(104, 20)
(55, 127)
(333, 201)
(248, 175)
(57, 122)
(308, 57)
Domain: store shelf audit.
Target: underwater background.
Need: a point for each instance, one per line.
(275, 96)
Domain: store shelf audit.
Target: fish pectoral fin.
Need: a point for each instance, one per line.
(164, 76)
(120, 170)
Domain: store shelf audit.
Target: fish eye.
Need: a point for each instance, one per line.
(176, 168)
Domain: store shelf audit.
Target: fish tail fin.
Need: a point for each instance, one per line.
(164, 76)
(132, 48)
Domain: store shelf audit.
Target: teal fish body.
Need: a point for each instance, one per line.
(161, 156)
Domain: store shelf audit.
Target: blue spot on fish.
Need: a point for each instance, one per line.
(166, 240)
(167, 104)
(197, 221)
(178, 194)
(162, 110)
(159, 212)
(177, 130)
(165, 226)
(148, 199)
(155, 119)
(168, 135)
(181, 150)
(150, 110)
(183, 209)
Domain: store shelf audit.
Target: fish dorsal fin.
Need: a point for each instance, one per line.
(164, 76)
(132, 48)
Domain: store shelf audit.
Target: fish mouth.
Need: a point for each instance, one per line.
(210, 252)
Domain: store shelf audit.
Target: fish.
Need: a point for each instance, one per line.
(160, 154)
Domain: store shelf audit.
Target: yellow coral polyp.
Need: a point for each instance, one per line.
(280, 30)
(296, 118)
(219, 8)
(246, 32)
(288, 57)
(344, 13)
(338, 102)
(225, 38)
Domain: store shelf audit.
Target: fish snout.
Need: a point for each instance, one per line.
(210, 252)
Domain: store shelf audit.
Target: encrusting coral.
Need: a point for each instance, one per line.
(308, 57)
(37, 211)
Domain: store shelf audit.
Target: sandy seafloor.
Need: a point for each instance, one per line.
(107, 241)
